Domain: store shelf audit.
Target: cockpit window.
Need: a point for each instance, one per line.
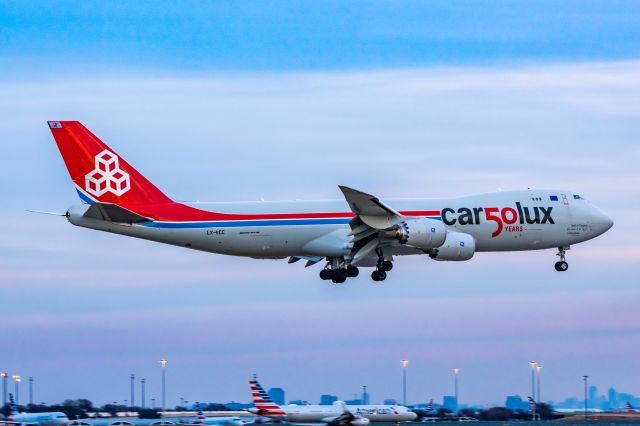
(577, 197)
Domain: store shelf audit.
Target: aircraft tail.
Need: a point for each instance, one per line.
(98, 172)
(430, 406)
(13, 406)
(263, 402)
(201, 417)
(629, 407)
(532, 404)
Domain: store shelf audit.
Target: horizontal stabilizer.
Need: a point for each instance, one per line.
(114, 213)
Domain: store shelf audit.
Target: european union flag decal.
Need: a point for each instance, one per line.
(553, 197)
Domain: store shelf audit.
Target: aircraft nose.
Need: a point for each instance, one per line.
(602, 223)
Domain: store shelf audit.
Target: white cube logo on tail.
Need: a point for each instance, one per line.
(107, 176)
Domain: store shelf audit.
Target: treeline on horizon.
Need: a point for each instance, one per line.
(545, 411)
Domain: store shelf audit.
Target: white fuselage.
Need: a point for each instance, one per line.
(320, 413)
(41, 419)
(500, 221)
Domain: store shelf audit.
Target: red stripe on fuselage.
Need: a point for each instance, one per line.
(176, 212)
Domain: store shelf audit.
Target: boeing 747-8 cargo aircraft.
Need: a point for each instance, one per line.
(359, 231)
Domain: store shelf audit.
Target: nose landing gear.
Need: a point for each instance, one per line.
(562, 265)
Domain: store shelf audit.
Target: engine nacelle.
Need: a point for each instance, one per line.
(457, 246)
(421, 233)
(360, 421)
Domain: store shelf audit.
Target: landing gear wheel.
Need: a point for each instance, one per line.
(352, 271)
(339, 276)
(386, 266)
(326, 274)
(562, 266)
(378, 275)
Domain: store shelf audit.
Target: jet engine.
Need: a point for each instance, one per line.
(421, 233)
(457, 246)
(360, 421)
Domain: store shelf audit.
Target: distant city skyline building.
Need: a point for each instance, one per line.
(277, 395)
(327, 399)
(515, 402)
(238, 405)
(612, 401)
(593, 394)
(449, 402)
(366, 398)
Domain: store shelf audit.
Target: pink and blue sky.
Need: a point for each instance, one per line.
(285, 100)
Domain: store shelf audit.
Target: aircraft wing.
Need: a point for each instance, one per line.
(372, 217)
(114, 213)
(370, 209)
(343, 419)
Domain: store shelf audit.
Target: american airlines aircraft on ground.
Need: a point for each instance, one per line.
(52, 418)
(359, 231)
(337, 414)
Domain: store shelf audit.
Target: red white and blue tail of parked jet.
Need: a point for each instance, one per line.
(357, 231)
(337, 414)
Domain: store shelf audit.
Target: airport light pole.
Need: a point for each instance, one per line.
(153, 403)
(142, 399)
(404, 363)
(538, 370)
(163, 364)
(586, 395)
(533, 378)
(17, 379)
(456, 371)
(132, 378)
(5, 377)
(30, 390)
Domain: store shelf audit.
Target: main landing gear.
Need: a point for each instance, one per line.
(340, 274)
(562, 265)
(382, 267)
